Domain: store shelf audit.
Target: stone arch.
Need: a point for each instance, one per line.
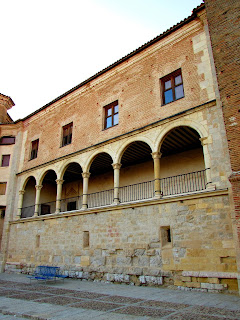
(42, 175)
(198, 127)
(94, 156)
(128, 143)
(66, 165)
(26, 181)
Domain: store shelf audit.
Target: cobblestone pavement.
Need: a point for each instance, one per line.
(75, 299)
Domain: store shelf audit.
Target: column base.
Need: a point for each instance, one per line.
(211, 187)
(84, 207)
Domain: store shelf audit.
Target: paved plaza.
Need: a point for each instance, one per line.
(76, 300)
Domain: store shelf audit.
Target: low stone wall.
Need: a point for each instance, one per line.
(149, 244)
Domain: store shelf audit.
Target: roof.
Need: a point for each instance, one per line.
(123, 59)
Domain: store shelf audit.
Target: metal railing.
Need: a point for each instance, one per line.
(27, 211)
(137, 191)
(99, 199)
(70, 204)
(183, 183)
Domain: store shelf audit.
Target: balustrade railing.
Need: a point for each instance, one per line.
(184, 183)
(99, 199)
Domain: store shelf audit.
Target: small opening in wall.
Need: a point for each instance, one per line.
(38, 241)
(85, 239)
(165, 236)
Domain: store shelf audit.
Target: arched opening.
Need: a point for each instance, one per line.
(48, 193)
(28, 203)
(137, 172)
(72, 188)
(100, 190)
(182, 162)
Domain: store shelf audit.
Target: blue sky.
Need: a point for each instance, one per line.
(50, 46)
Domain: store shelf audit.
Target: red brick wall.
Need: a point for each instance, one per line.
(137, 89)
(224, 25)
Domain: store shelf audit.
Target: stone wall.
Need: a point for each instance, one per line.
(127, 244)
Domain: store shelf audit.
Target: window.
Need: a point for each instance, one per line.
(5, 160)
(7, 140)
(85, 239)
(166, 237)
(3, 186)
(172, 87)
(67, 134)
(111, 115)
(34, 150)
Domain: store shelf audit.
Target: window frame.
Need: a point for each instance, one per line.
(171, 77)
(3, 188)
(12, 138)
(67, 138)
(111, 106)
(34, 149)
(7, 161)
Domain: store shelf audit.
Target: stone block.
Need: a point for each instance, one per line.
(143, 261)
(186, 279)
(85, 261)
(123, 261)
(193, 284)
(139, 252)
(155, 261)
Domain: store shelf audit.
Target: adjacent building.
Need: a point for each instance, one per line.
(124, 178)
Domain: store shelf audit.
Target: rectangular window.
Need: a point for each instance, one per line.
(7, 140)
(111, 115)
(67, 134)
(172, 87)
(165, 236)
(34, 149)
(5, 160)
(85, 239)
(3, 187)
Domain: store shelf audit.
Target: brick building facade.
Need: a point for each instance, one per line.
(124, 178)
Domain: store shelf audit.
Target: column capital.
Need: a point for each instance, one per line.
(204, 141)
(21, 192)
(38, 187)
(116, 165)
(86, 174)
(59, 181)
(156, 155)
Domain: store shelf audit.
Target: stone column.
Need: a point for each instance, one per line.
(207, 161)
(38, 192)
(59, 195)
(116, 167)
(20, 203)
(85, 176)
(157, 183)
